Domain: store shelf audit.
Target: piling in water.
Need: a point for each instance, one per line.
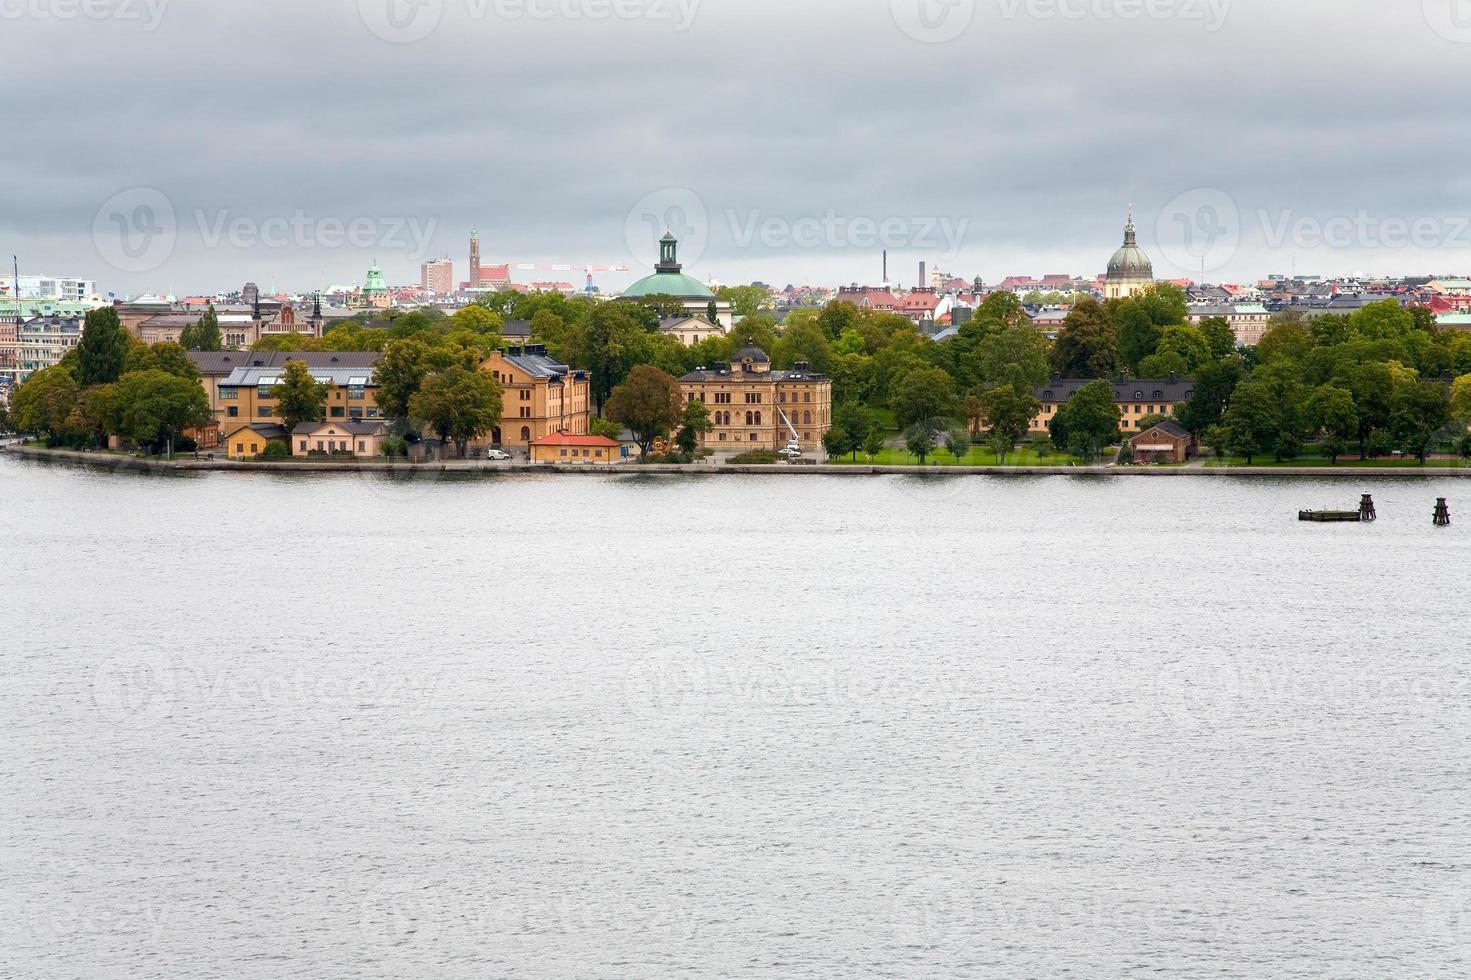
(1442, 513)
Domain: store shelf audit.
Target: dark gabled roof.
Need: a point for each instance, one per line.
(516, 328)
(268, 430)
(1169, 427)
(536, 362)
(1124, 390)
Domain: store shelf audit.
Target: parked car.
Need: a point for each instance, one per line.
(499, 455)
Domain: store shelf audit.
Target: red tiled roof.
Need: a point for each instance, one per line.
(586, 442)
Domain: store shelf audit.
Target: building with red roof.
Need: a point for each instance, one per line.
(567, 447)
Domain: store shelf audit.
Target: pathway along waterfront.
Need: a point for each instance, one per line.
(113, 461)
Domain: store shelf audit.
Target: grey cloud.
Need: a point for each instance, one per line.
(1033, 131)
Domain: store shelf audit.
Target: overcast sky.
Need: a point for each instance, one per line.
(191, 145)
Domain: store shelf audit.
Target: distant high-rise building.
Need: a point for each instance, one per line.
(474, 259)
(437, 277)
(250, 294)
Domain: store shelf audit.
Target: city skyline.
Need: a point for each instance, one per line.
(563, 141)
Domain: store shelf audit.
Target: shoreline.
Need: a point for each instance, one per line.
(98, 460)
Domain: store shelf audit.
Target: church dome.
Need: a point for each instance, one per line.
(668, 278)
(1130, 262)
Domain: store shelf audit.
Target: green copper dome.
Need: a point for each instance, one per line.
(668, 279)
(1130, 262)
(670, 284)
(376, 282)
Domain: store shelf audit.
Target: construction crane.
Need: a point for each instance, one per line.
(566, 267)
(794, 448)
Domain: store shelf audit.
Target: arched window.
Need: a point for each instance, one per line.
(749, 417)
(1158, 395)
(758, 418)
(806, 418)
(1138, 395)
(525, 433)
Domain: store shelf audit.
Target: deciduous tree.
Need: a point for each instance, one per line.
(647, 403)
(459, 404)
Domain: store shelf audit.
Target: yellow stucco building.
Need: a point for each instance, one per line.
(540, 397)
(754, 407)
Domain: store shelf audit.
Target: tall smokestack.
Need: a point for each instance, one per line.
(886, 268)
(923, 282)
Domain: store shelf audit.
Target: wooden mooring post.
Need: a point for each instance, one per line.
(1366, 510)
(1442, 513)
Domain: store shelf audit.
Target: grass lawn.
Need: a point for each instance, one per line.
(978, 456)
(1266, 462)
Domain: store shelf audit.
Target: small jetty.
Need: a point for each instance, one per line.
(1364, 515)
(1442, 513)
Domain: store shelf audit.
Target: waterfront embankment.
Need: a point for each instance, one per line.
(116, 461)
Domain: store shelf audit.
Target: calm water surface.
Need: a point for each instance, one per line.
(742, 727)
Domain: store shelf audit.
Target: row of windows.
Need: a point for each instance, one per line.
(586, 453)
(752, 398)
(334, 411)
(756, 437)
(754, 418)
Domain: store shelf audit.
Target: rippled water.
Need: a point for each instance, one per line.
(735, 727)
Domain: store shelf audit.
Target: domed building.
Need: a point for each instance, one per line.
(669, 280)
(1129, 271)
(375, 294)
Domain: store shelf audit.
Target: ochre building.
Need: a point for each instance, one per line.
(753, 407)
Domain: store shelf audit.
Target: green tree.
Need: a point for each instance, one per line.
(1461, 397)
(920, 438)
(921, 395)
(459, 404)
(102, 352)
(608, 344)
(1010, 414)
(45, 403)
(1142, 318)
(607, 428)
(1420, 413)
(647, 403)
(1015, 356)
(1219, 337)
(1087, 346)
(170, 358)
(1330, 411)
(1253, 422)
(404, 366)
(873, 444)
(1088, 423)
(851, 427)
(802, 342)
(957, 440)
(299, 396)
(153, 408)
(1214, 385)
(694, 422)
(205, 334)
